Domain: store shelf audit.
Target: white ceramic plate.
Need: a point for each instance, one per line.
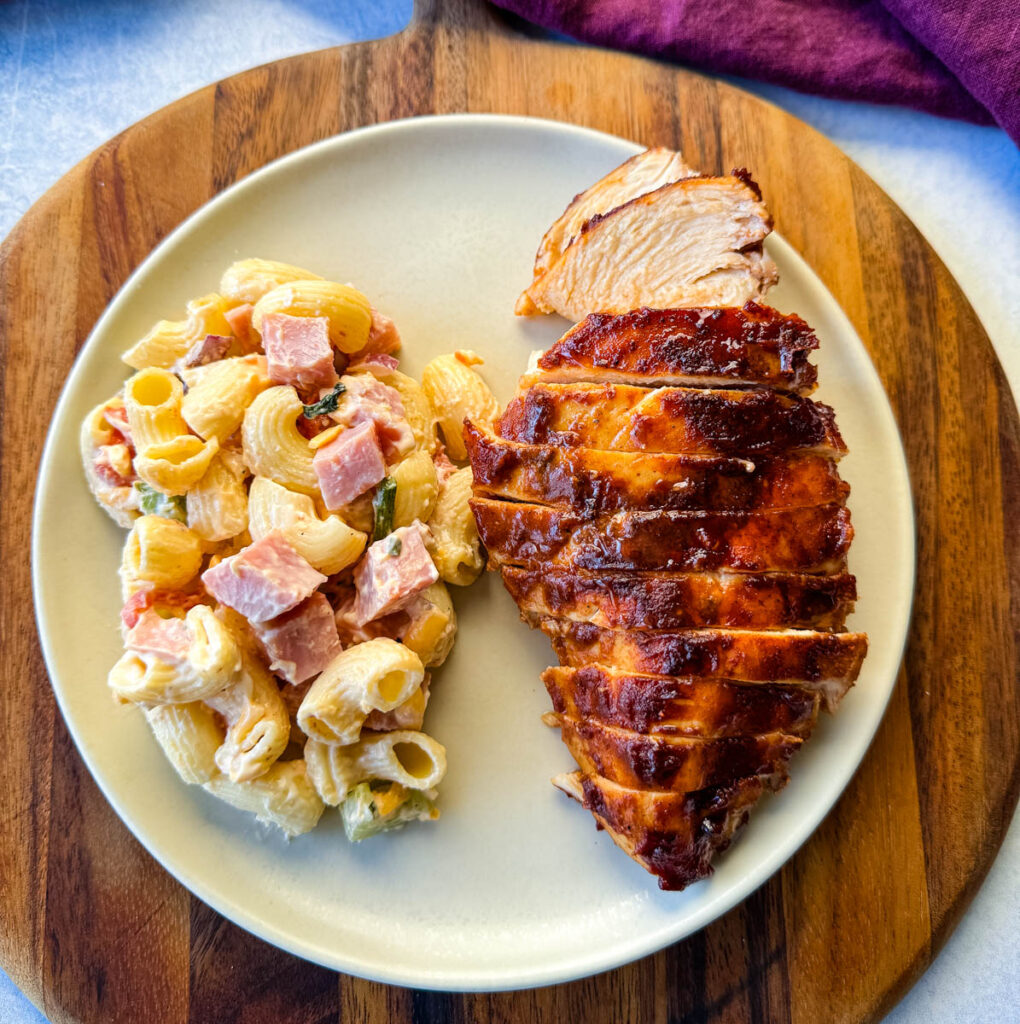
(437, 220)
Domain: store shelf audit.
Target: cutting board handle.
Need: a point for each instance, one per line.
(455, 14)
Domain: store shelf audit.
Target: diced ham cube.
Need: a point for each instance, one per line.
(298, 350)
(141, 601)
(209, 349)
(349, 465)
(392, 625)
(382, 336)
(239, 319)
(302, 642)
(375, 362)
(263, 580)
(369, 400)
(168, 639)
(391, 572)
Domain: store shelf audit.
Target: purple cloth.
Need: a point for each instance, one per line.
(958, 58)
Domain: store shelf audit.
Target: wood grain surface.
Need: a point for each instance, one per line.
(94, 930)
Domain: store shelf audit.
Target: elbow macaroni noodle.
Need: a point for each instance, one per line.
(378, 675)
(198, 462)
(219, 394)
(217, 506)
(457, 549)
(246, 281)
(456, 393)
(170, 340)
(284, 796)
(152, 402)
(189, 736)
(417, 489)
(161, 552)
(174, 467)
(212, 664)
(407, 757)
(258, 726)
(327, 543)
(273, 445)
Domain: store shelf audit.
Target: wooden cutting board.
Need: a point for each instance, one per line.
(94, 930)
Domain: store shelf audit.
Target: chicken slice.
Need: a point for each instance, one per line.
(640, 174)
(707, 346)
(672, 835)
(674, 600)
(780, 540)
(825, 662)
(688, 421)
(592, 481)
(693, 242)
(680, 763)
(690, 706)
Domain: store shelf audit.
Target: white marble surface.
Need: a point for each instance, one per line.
(74, 73)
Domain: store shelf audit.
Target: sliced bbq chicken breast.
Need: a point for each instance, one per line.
(635, 177)
(687, 421)
(808, 540)
(593, 481)
(663, 501)
(673, 835)
(680, 706)
(662, 761)
(693, 241)
(701, 347)
(682, 600)
(827, 663)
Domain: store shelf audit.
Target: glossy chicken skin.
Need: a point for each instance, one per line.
(701, 347)
(692, 421)
(780, 540)
(690, 706)
(671, 600)
(672, 835)
(662, 761)
(827, 662)
(590, 481)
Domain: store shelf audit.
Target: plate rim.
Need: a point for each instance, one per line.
(457, 979)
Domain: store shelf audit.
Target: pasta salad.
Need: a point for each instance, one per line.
(295, 514)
